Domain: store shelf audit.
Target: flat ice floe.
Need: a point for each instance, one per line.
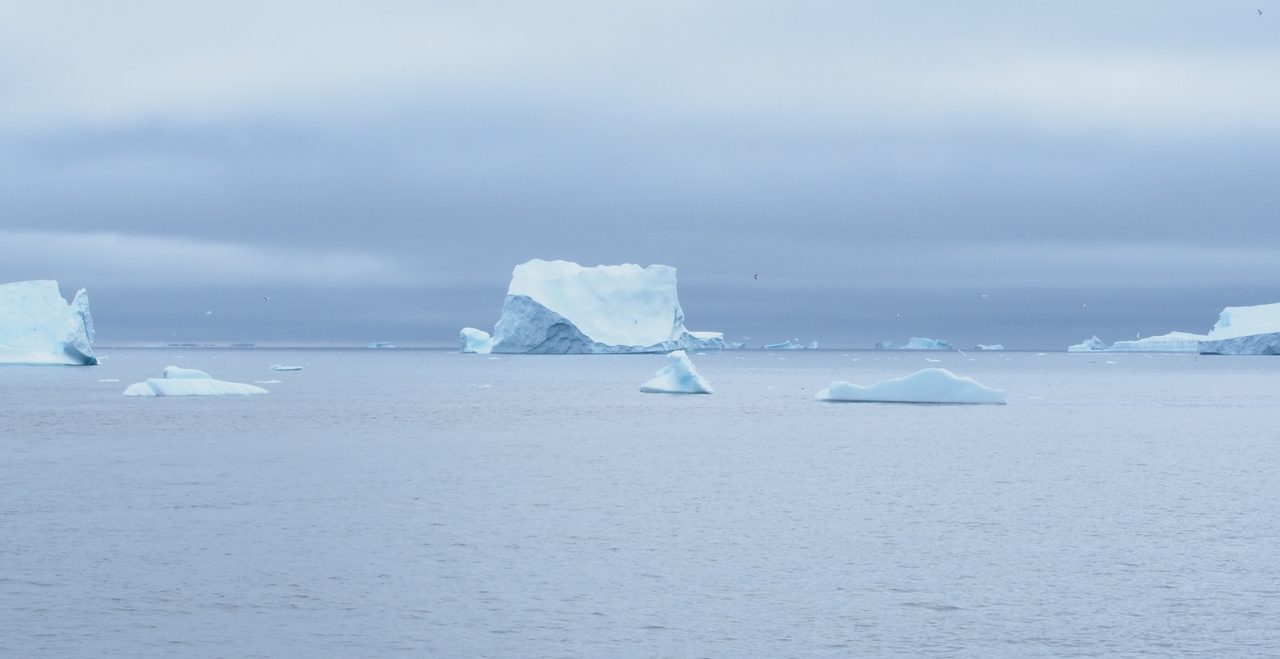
(931, 385)
(189, 382)
(677, 377)
(37, 326)
(284, 367)
(915, 343)
(992, 346)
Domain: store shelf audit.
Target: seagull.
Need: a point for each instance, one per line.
(266, 299)
(1084, 306)
(755, 276)
(1259, 12)
(209, 312)
(899, 315)
(985, 296)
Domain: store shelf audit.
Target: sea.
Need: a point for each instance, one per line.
(429, 503)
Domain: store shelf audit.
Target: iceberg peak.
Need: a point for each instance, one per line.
(37, 326)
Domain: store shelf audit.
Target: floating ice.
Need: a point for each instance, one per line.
(915, 343)
(37, 326)
(380, 345)
(677, 377)
(931, 385)
(1245, 331)
(474, 340)
(1253, 344)
(189, 382)
(993, 346)
(1092, 345)
(562, 307)
(789, 344)
(285, 367)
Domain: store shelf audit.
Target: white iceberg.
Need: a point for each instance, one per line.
(677, 377)
(189, 382)
(1092, 345)
(1251, 330)
(37, 326)
(284, 367)
(915, 343)
(1171, 342)
(789, 344)
(560, 307)
(992, 346)
(931, 385)
(380, 345)
(476, 341)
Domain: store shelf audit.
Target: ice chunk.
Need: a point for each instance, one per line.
(677, 377)
(789, 344)
(915, 343)
(1092, 345)
(562, 307)
(189, 382)
(931, 385)
(284, 367)
(993, 346)
(474, 340)
(37, 326)
(381, 345)
(1171, 342)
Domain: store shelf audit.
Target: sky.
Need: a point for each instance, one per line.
(378, 168)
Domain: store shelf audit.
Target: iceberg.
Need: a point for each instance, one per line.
(284, 367)
(37, 326)
(476, 341)
(1253, 344)
(560, 307)
(189, 382)
(915, 343)
(931, 385)
(1251, 330)
(1171, 342)
(380, 345)
(677, 377)
(1092, 345)
(789, 344)
(993, 346)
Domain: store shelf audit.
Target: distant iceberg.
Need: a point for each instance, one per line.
(915, 343)
(1171, 342)
(476, 341)
(992, 346)
(931, 385)
(37, 326)
(380, 345)
(790, 344)
(189, 382)
(560, 307)
(284, 367)
(1251, 330)
(677, 377)
(1094, 344)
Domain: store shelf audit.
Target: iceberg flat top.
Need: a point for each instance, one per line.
(37, 326)
(677, 377)
(931, 385)
(624, 305)
(1245, 321)
(1171, 342)
(189, 382)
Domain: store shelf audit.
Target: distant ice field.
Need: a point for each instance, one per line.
(430, 503)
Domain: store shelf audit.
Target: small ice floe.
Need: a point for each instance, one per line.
(481, 386)
(285, 367)
(381, 345)
(1111, 362)
(932, 385)
(495, 359)
(677, 377)
(928, 359)
(267, 381)
(189, 382)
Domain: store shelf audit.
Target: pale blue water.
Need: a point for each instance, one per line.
(435, 504)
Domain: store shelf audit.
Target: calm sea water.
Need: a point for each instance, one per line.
(432, 503)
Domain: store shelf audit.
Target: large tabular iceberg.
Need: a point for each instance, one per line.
(931, 385)
(1245, 331)
(915, 343)
(37, 326)
(189, 382)
(1171, 342)
(561, 307)
(677, 377)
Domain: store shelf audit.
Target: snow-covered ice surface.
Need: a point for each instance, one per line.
(382, 506)
(560, 307)
(678, 377)
(1235, 322)
(37, 326)
(177, 381)
(915, 343)
(931, 385)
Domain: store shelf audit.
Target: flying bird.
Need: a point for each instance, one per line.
(756, 276)
(1259, 12)
(209, 312)
(266, 300)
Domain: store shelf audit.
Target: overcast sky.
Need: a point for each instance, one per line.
(378, 168)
